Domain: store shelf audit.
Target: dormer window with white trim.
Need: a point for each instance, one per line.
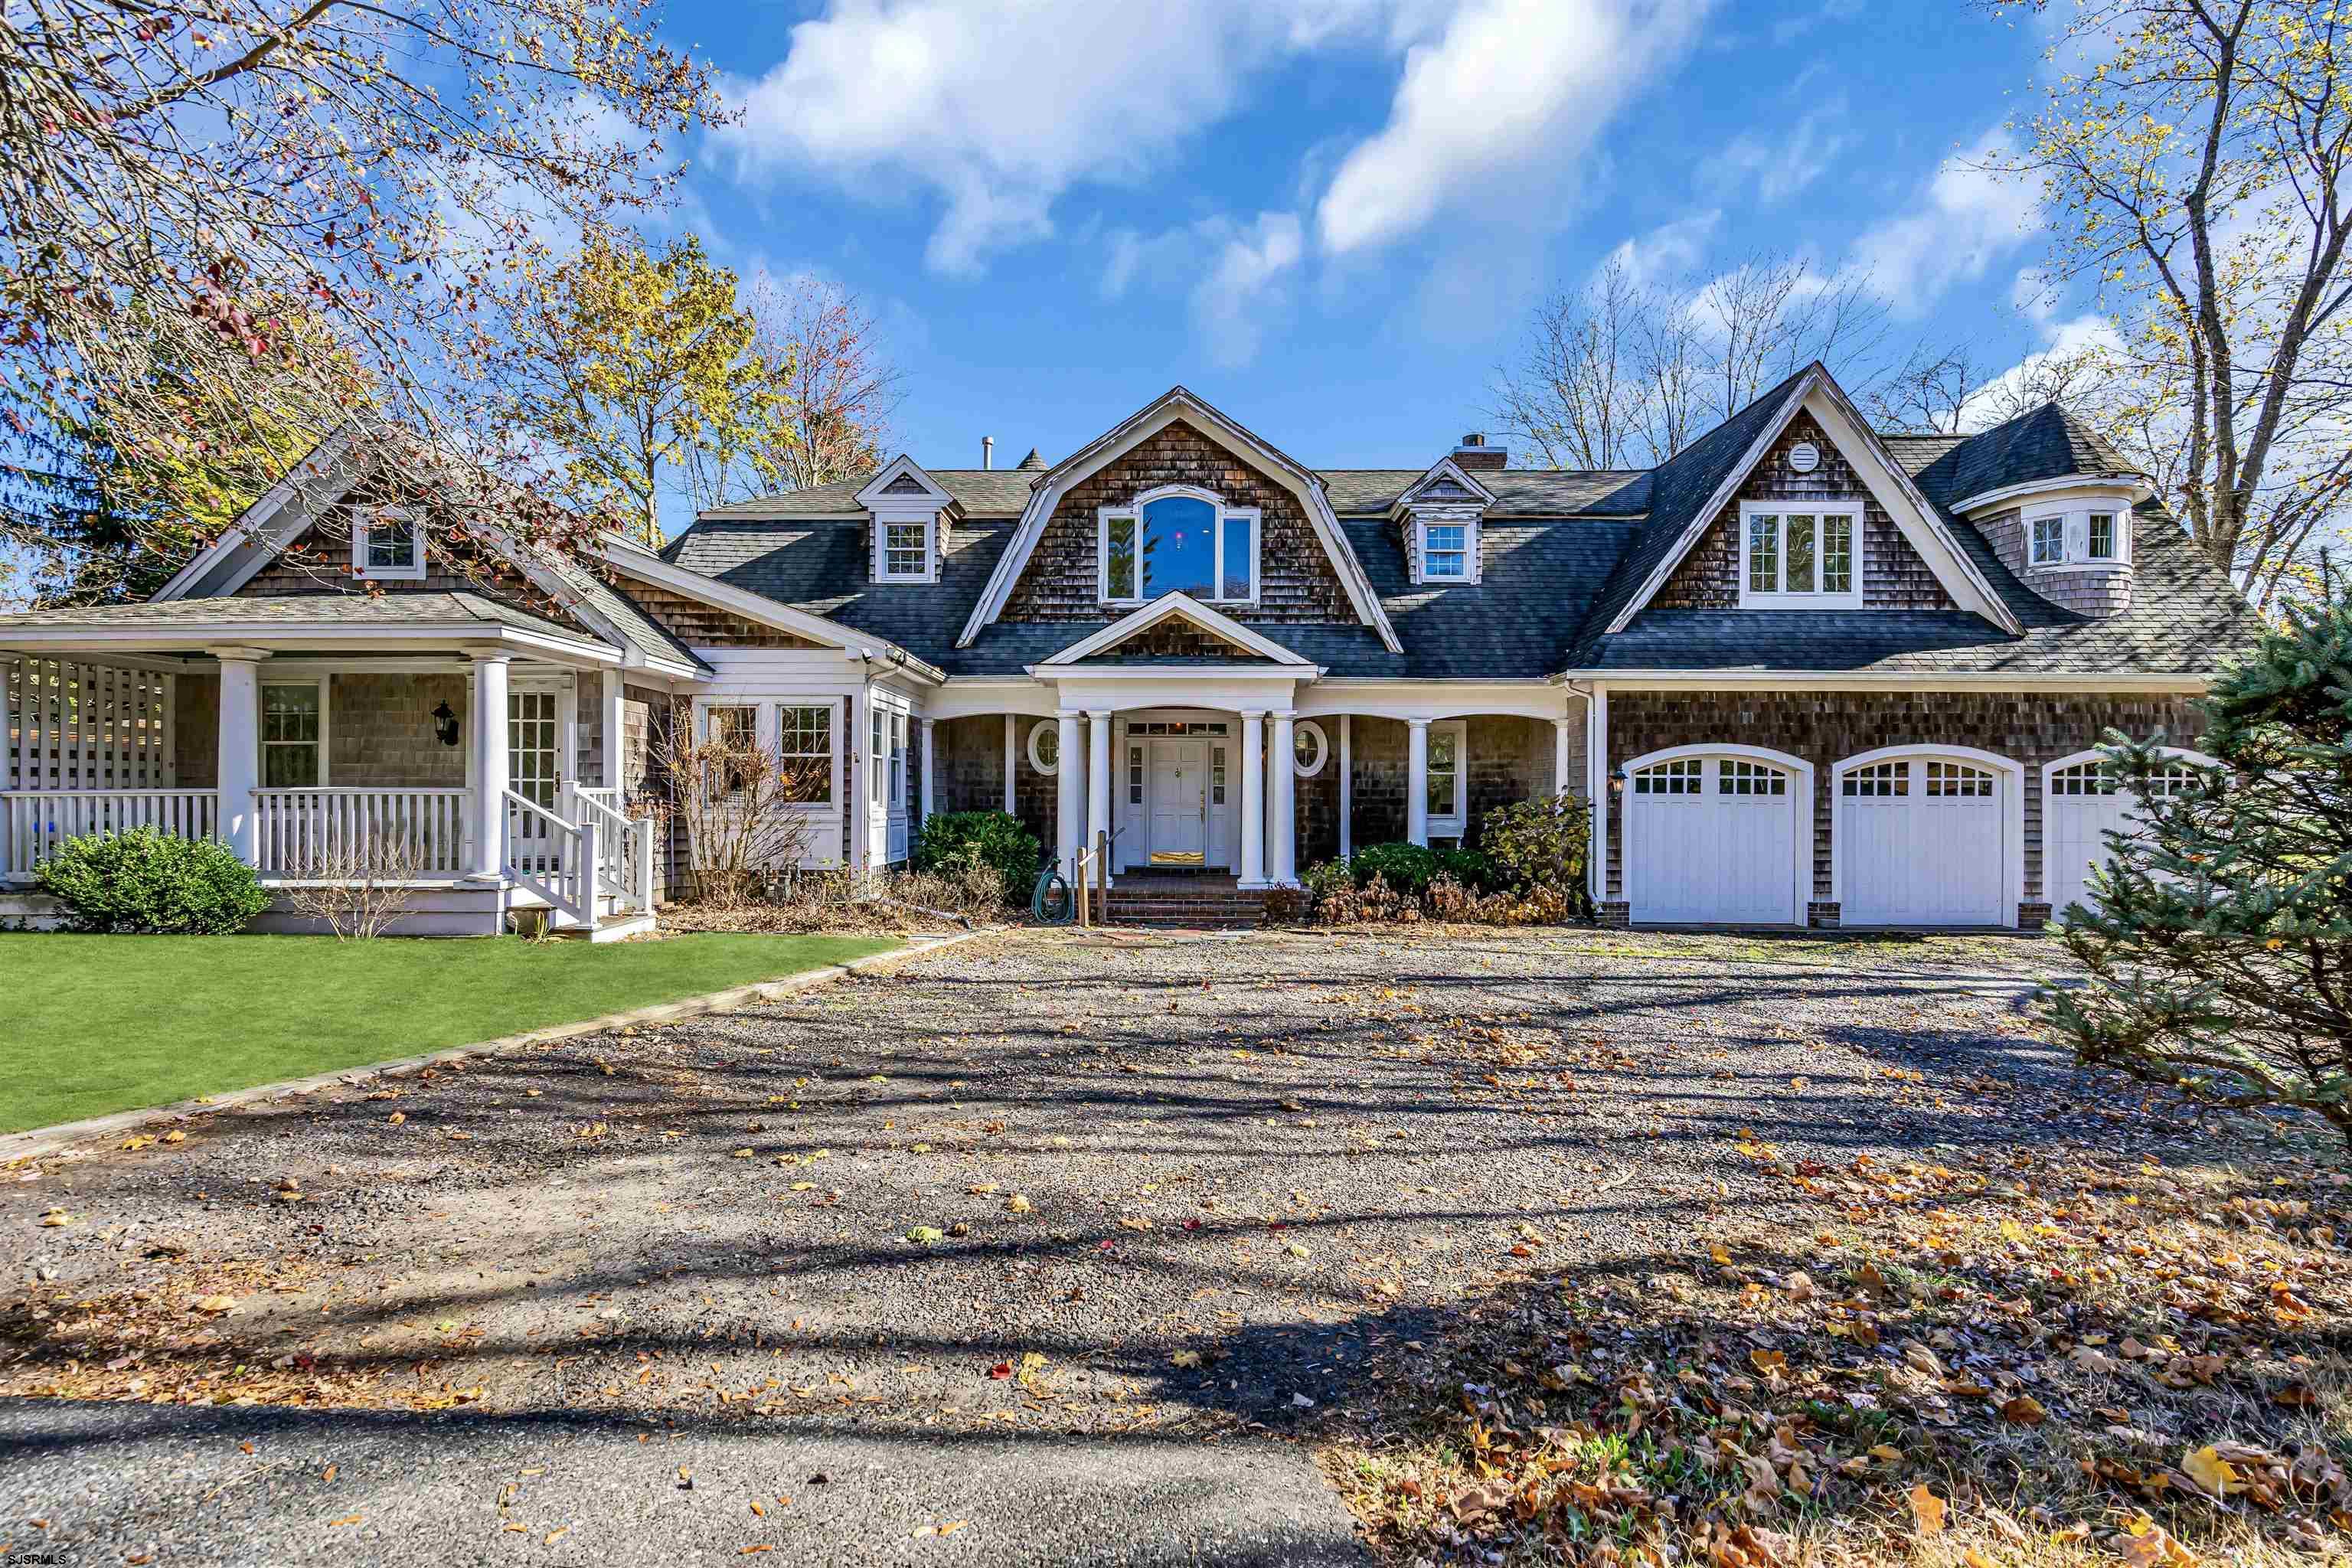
(1797, 555)
(2095, 538)
(387, 546)
(1445, 551)
(1438, 516)
(904, 549)
(1177, 540)
(908, 509)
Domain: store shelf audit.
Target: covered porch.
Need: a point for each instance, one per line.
(463, 752)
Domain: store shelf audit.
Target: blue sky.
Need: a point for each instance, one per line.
(1331, 217)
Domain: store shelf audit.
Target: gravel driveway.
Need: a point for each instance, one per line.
(1043, 1248)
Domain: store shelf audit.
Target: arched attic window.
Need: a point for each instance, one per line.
(1179, 541)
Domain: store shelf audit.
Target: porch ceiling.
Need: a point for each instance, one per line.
(339, 623)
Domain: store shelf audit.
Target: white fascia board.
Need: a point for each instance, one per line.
(1177, 403)
(1182, 605)
(196, 636)
(1618, 680)
(2132, 491)
(1085, 672)
(1444, 468)
(901, 465)
(262, 527)
(757, 609)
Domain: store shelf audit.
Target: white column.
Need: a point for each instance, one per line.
(1011, 755)
(611, 763)
(1416, 781)
(490, 767)
(1069, 801)
(1596, 774)
(929, 796)
(1559, 728)
(1282, 818)
(1253, 799)
(1098, 783)
(1346, 786)
(240, 750)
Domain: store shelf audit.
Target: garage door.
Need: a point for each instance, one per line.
(1712, 841)
(1920, 842)
(2079, 808)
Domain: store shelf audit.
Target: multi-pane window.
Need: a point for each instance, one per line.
(906, 549)
(898, 759)
(1178, 544)
(387, 544)
(290, 736)
(1684, 775)
(1445, 793)
(2049, 541)
(804, 749)
(2090, 778)
(880, 737)
(533, 746)
(1445, 551)
(1177, 727)
(1958, 780)
(1741, 777)
(1045, 746)
(2102, 536)
(1805, 555)
(734, 734)
(1879, 779)
(1216, 775)
(1135, 776)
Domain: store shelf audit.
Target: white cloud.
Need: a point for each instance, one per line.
(1773, 170)
(1668, 253)
(1966, 220)
(1510, 86)
(2061, 341)
(1002, 109)
(1250, 278)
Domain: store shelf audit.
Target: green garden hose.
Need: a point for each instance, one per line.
(1052, 903)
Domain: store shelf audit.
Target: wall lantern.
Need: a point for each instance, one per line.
(445, 725)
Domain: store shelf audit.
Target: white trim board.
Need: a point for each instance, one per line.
(1178, 404)
(1818, 393)
(1182, 606)
(263, 528)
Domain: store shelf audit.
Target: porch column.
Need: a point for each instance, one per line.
(490, 857)
(1012, 802)
(1596, 774)
(240, 750)
(1283, 819)
(1416, 781)
(1254, 799)
(1559, 729)
(1069, 779)
(611, 762)
(1098, 783)
(1347, 787)
(927, 795)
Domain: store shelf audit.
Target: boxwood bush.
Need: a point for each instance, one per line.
(149, 882)
(1408, 868)
(951, 840)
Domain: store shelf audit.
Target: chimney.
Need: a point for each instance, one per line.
(987, 451)
(1473, 454)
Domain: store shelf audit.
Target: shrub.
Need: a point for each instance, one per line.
(146, 881)
(1325, 877)
(1469, 867)
(952, 840)
(1541, 844)
(1405, 866)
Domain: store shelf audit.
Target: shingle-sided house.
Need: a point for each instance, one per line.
(1806, 673)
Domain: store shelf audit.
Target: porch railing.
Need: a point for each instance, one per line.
(551, 857)
(33, 823)
(625, 868)
(333, 834)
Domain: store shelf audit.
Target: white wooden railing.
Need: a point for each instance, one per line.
(330, 834)
(33, 823)
(624, 861)
(552, 857)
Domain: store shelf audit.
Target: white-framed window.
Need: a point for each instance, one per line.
(294, 734)
(1045, 746)
(1879, 780)
(387, 546)
(898, 760)
(1447, 782)
(805, 747)
(888, 758)
(1800, 554)
(902, 550)
(1681, 776)
(1135, 776)
(1178, 539)
(1741, 776)
(1216, 775)
(1446, 551)
(1310, 749)
(735, 726)
(2097, 536)
(2090, 778)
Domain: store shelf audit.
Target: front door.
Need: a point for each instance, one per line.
(1180, 802)
(534, 770)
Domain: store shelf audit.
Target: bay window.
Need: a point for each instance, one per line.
(1799, 554)
(2097, 536)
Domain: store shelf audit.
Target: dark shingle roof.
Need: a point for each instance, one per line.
(2045, 443)
(302, 610)
(982, 492)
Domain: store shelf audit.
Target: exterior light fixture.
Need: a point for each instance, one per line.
(445, 725)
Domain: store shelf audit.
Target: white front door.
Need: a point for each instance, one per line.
(1180, 802)
(1920, 842)
(534, 758)
(1713, 841)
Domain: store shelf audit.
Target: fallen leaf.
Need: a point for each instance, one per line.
(1927, 1511)
(2026, 1411)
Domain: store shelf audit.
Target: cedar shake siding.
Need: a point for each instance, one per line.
(699, 624)
(970, 763)
(1894, 574)
(2097, 592)
(380, 731)
(1296, 583)
(196, 731)
(1826, 727)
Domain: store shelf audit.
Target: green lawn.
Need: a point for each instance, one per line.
(94, 1024)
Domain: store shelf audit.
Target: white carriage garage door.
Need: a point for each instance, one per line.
(1712, 841)
(1920, 842)
(2079, 808)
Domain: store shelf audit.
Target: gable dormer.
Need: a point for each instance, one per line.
(906, 511)
(1438, 516)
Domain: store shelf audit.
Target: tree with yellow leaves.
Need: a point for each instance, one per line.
(2196, 161)
(631, 367)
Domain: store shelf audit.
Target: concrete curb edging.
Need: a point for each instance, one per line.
(40, 1141)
